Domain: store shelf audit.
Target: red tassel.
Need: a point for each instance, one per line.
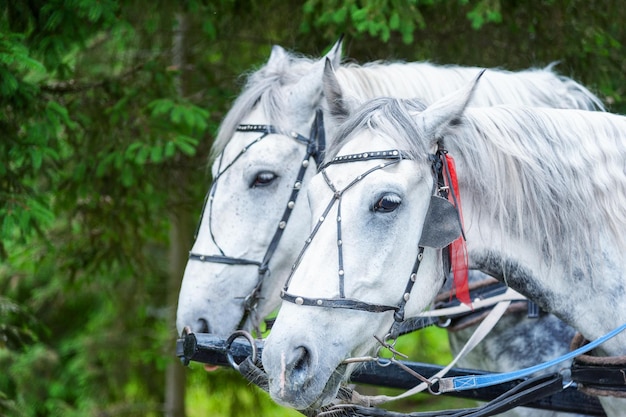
(458, 248)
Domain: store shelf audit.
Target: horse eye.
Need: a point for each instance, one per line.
(387, 203)
(263, 179)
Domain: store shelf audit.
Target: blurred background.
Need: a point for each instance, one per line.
(108, 109)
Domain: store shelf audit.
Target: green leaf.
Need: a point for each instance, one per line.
(142, 155)
(132, 150)
(186, 144)
(394, 21)
(37, 158)
(170, 149)
(209, 29)
(41, 212)
(56, 111)
(160, 107)
(177, 114)
(156, 154)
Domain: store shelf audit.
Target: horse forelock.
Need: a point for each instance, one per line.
(264, 87)
(554, 178)
(386, 117)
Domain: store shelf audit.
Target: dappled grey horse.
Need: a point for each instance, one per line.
(265, 155)
(543, 195)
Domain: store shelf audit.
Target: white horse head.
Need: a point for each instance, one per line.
(539, 211)
(250, 220)
(252, 190)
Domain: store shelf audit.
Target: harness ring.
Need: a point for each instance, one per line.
(229, 355)
(431, 387)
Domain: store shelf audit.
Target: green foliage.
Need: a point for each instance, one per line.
(485, 11)
(224, 393)
(105, 138)
(378, 18)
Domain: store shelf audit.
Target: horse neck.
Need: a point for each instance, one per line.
(591, 304)
(588, 299)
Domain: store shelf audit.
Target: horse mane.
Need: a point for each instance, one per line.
(555, 178)
(423, 80)
(539, 87)
(263, 87)
(393, 118)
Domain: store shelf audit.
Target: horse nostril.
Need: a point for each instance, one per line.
(302, 359)
(203, 326)
(299, 365)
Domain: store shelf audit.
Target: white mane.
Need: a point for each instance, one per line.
(554, 177)
(426, 81)
(263, 87)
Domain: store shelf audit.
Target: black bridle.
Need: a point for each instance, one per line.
(438, 238)
(315, 147)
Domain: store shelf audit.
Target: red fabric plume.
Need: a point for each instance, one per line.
(458, 248)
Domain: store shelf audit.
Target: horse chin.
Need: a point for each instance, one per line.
(313, 395)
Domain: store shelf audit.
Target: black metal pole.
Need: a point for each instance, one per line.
(209, 349)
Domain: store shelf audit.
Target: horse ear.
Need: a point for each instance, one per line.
(278, 55)
(332, 91)
(309, 87)
(334, 55)
(446, 111)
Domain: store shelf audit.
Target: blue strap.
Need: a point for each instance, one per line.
(463, 383)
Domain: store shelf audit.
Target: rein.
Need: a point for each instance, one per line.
(315, 147)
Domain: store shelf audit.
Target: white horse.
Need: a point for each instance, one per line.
(243, 231)
(252, 189)
(543, 196)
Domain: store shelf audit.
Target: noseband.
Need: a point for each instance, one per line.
(438, 235)
(315, 146)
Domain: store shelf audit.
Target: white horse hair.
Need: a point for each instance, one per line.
(269, 87)
(285, 93)
(509, 142)
(544, 197)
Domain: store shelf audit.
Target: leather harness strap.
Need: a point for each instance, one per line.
(598, 375)
(316, 144)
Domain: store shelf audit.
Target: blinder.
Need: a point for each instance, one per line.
(441, 225)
